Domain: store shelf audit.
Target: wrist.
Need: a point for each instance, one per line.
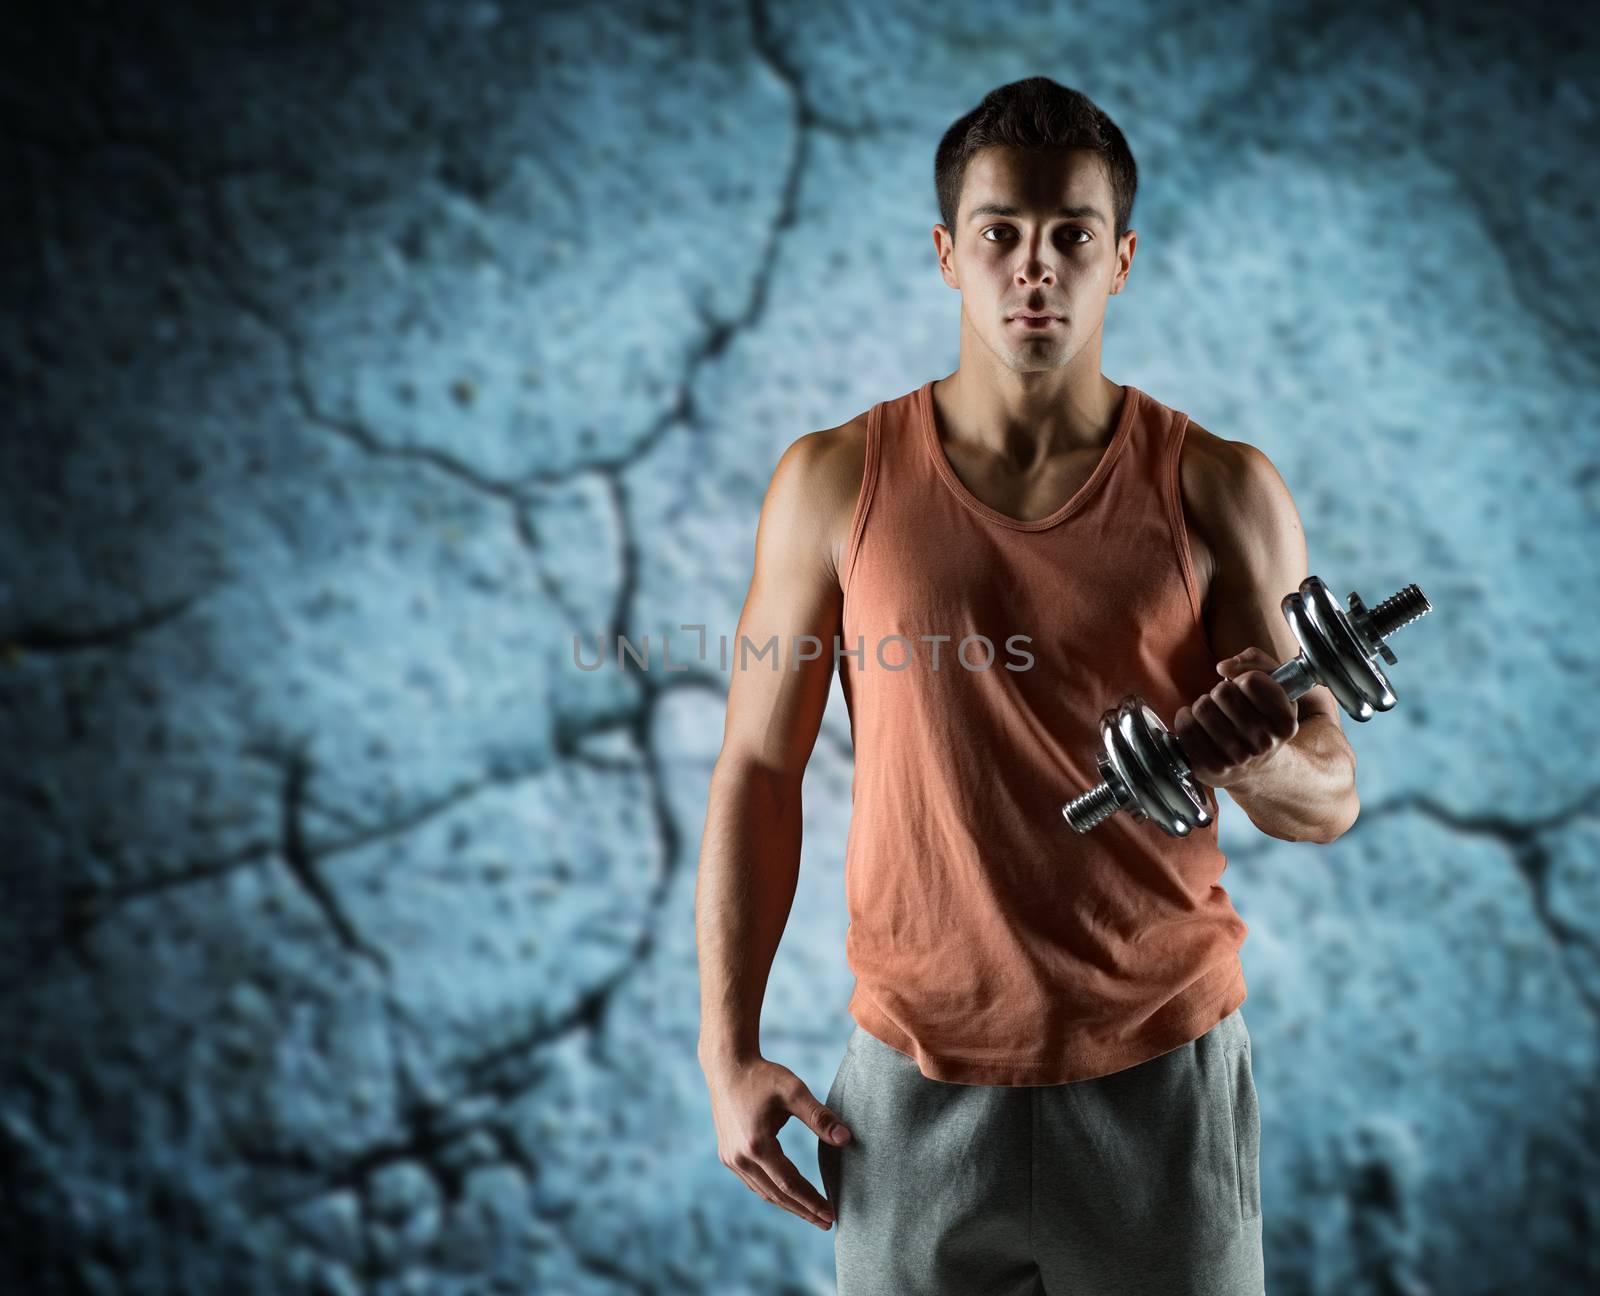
(722, 1052)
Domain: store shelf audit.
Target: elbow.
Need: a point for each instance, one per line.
(741, 772)
(1346, 822)
(1349, 805)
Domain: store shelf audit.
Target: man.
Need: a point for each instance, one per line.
(1048, 1087)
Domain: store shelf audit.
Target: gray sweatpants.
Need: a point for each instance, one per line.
(1142, 1181)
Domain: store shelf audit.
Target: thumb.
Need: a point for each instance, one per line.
(823, 1122)
(1239, 662)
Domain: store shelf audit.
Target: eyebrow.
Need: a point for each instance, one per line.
(1000, 209)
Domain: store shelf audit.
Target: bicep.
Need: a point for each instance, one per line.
(793, 608)
(1261, 556)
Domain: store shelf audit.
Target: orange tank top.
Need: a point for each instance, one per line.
(989, 941)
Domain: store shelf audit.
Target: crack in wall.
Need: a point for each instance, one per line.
(1522, 842)
(85, 907)
(302, 860)
(43, 637)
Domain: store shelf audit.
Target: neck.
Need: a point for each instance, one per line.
(1027, 417)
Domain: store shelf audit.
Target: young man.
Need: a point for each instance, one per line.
(1048, 1088)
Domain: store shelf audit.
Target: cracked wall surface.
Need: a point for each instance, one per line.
(358, 356)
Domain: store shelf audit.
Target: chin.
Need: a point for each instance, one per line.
(1036, 359)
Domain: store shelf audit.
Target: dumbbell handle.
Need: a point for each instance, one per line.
(1296, 676)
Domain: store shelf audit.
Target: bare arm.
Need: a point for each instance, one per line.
(1286, 762)
(750, 853)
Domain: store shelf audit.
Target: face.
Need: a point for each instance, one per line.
(1031, 258)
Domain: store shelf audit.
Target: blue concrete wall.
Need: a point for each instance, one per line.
(357, 356)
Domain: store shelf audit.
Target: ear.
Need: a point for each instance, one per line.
(944, 249)
(1124, 260)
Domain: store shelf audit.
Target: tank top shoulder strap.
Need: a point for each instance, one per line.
(1171, 493)
(869, 482)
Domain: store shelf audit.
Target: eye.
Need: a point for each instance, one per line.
(1075, 229)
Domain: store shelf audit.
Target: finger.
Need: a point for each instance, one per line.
(1272, 700)
(1249, 725)
(794, 1185)
(758, 1179)
(1219, 728)
(759, 1189)
(1205, 761)
(751, 1169)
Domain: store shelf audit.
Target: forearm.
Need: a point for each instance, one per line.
(1307, 791)
(749, 867)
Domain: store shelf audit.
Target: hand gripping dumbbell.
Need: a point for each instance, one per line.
(1143, 768)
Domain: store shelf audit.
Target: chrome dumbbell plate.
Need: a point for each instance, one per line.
(1146, 759)
(1329, 642)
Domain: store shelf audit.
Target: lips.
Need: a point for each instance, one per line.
(1035, 321)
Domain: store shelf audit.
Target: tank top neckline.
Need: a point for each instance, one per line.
(1119, 439)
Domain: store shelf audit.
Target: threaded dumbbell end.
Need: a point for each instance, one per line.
(1098, 803)
(1397, 610)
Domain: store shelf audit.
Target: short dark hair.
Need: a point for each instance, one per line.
(1039, 114)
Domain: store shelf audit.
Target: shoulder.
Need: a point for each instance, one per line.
(1231, 489)
(833, 452)
(819, 478)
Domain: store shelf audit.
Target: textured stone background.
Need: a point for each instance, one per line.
(357, 356)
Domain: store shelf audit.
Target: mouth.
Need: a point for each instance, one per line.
(1035, 321)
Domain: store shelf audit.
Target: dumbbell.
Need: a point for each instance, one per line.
(1143, 768)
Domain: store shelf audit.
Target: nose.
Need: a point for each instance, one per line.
(1035, 271)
